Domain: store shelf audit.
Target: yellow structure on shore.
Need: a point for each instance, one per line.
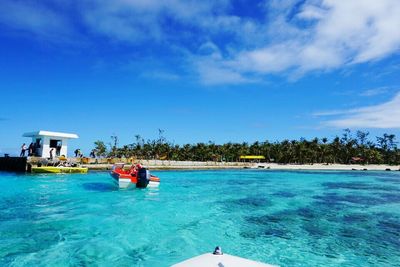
(252, 158)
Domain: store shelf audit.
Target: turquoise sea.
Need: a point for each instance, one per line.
(288, 218)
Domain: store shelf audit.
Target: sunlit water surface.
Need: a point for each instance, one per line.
(288, 218)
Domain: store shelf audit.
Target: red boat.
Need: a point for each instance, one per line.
(137, 176)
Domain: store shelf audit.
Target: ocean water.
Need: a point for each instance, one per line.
(287, 218)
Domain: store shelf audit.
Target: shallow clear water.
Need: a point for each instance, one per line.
(288, 218)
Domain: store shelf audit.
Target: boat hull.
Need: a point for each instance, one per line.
(58, 170)
(124, 180)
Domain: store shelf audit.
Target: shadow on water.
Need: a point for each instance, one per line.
(356, 232)
(394, 180)
(277, 225)
(99, 187)
(252, 202)
(359, 186)
(247, 203)
(284, 194)
(333, 200)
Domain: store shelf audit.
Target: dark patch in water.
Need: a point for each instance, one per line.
(307, 213)
(328, 201)
(391, 225)
(282, 217)
(358, 186)
(16, 207)
(335, 199)
(331, 256)
(314, 229)
(251, 202)
(271, 225)
(363, 200)
(356, 218)
(390, 198)
(99, 187)
(277, 232)
(389, 180)
(389, 228)
(138, 256)
(348, 232)
(250, 234)
(284, 194)
(372, 234)
(242, 182)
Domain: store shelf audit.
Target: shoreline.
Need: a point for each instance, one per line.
(23, 164)
(185, 165)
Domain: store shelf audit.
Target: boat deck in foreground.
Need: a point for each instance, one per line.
(212, 260)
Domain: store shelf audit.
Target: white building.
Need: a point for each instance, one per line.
(44, 141)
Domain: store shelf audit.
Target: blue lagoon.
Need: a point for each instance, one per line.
(287, 218)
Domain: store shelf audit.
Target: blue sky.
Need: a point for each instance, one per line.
(200, 70)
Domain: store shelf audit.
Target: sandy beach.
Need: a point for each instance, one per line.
(332, 167)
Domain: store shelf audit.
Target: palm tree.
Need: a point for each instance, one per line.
(339, 150)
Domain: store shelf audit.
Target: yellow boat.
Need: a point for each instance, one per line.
(60, 169)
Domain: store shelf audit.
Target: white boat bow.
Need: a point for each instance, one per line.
(220, 260)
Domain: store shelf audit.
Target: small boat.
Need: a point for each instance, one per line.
(136, 176)
(59, 169)
(218, 259)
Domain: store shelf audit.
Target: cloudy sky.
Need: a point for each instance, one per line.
(201, 70)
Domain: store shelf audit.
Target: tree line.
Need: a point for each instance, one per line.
(345, 149)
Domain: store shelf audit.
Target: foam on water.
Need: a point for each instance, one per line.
(288, 218)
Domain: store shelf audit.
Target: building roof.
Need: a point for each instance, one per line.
(51, 134)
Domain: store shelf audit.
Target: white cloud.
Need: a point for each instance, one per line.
(35, 18)
(161, 75)
(385, 115)
(341, 33)
(215, 73)
(375, 91)
(213, 69)
(338, 34)
(147, 20)
(312, 12)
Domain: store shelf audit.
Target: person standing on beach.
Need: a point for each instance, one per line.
(23, 149)
(30, 149)
(58, 150)
(51, 153)
(34, 149)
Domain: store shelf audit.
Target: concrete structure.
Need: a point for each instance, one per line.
(13, 164)
(45, 141)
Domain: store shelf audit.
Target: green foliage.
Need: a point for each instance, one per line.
(100, 148)
(344, 149)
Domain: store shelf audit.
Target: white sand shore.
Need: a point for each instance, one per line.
(372, 167)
